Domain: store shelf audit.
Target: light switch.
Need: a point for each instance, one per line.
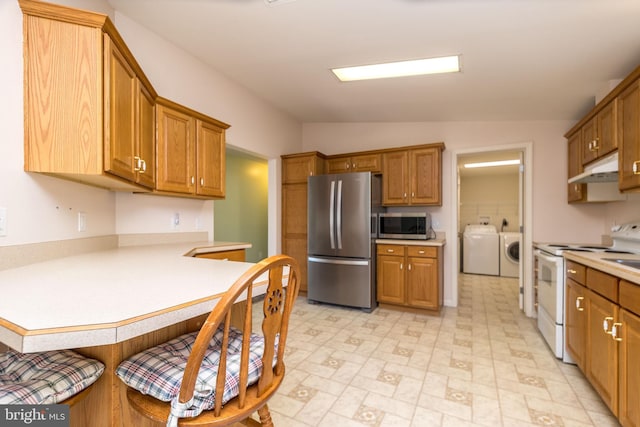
(82, 221)
(3, 221)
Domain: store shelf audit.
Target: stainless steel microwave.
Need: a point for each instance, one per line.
(405, 225)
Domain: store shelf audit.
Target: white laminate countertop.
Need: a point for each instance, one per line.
(106, 297)
(597, 260)
(432, 242)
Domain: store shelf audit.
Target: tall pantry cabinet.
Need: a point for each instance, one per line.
(296, 169)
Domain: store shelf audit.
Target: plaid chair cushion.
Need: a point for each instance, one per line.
(158, 371)
(45, 378)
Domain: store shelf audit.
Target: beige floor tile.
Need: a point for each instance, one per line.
(480, 364)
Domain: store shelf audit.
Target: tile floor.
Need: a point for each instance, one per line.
(480, 364)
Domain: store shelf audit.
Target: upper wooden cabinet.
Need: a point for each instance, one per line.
(88, 105)
(191, 152)
(413, 176)
(599, 134)
(629, 135)
(575, 192)
(355, 163)
(296, 168)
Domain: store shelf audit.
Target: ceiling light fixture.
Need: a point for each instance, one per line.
(490, 164)
(443, 64)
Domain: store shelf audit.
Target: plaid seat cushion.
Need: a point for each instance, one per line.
(45, 378)
(158, 371)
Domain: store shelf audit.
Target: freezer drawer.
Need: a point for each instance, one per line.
(343, 281)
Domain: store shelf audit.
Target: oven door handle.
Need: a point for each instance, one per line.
(553, 259)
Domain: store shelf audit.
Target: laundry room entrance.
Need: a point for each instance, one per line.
(490, 215)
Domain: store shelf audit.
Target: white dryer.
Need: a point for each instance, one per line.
(510, 254)
(480, 250)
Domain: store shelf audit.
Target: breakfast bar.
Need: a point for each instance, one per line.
(110, 305)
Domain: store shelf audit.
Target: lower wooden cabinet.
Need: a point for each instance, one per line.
(603, 337)
(602, 349)
(576, 321)
(232, 255)
(409, 275)
(629, 354)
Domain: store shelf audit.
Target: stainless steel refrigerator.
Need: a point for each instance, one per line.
(342, 227)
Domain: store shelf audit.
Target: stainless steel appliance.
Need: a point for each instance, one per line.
(342, 227)
(405, 225)
(549, 281)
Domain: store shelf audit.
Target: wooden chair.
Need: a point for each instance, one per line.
(276, 307)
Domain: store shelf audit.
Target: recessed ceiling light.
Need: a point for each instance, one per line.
(444, 64)
(490, 164)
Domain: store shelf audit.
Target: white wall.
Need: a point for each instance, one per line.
(42, 208)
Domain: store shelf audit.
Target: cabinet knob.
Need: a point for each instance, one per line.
(636, 167)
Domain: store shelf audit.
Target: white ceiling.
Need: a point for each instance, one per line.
(521, 59)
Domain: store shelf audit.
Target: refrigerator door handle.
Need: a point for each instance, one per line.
(338, 261)
(332, 211)
(339, 215)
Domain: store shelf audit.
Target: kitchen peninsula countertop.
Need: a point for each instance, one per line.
(597, 260)
(109, 296)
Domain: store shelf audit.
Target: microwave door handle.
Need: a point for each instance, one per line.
(339, 215)
(332, 211)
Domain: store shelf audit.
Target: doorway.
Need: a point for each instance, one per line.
(243, 215)
(498, 196)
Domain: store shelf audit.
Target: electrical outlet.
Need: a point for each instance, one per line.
(3, 221)
(175, 220)
(82, 221)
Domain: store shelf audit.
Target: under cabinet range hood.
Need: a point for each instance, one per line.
(604, 170)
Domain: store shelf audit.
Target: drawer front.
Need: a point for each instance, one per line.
(391, 250)
(603, 283)
(422, 251)
(630, 296)
(577, 272)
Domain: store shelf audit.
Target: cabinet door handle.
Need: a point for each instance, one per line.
(401, 265)
(614, 331)
(605, 324)
(354, 165)
(636, 167)
(144, 166)
(571, 271)
(595, 144)
(421, 252)
(579, 304)
(348, 165)
(201, 182)
(193, 180)
(404, 196)
(391, 251)
(409, 267)
(136, 163)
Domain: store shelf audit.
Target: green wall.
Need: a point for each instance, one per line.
(242, 216)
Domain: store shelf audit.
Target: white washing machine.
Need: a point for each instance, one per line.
(480, 250)
(510, 254)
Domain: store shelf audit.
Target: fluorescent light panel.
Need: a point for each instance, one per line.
(444, 64)
(490, 164)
